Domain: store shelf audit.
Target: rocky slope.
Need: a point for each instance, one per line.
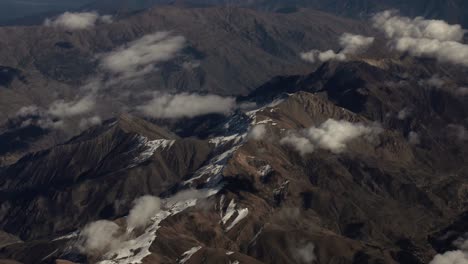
(339, 166)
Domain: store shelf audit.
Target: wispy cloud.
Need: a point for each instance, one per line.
(140, 56)
(77, 21)
(165, 105)
(350, 43)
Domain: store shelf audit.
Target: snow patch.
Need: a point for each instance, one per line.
(188, 254)
(230, 212)
(241, 214)
(149, 148)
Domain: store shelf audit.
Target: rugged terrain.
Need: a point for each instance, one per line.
(263, 157)
(382, 200)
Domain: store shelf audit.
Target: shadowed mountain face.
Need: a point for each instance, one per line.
(380, 198)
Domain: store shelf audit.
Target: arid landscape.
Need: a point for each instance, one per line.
(234, 132)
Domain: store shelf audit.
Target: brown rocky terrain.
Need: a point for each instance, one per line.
(395, 194)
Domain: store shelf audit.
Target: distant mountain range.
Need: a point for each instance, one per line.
(33, 11)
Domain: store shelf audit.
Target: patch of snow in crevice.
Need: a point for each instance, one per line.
(230, 212)
(218, 141)
(265, 170)
(68, 236)
(229, 253)
(264, 121)
(254, 239)
(188, 254)
(135, 250)
(241, 214)
(235, 262)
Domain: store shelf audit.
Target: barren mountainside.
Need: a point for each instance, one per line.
(236, 132)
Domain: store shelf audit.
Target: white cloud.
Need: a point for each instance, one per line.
(138, 57)
(350, 43)
(353, 44)
(77, 21)
(89, 122)
(59, 111)
(305, 253)
(459, 256)
(395, 26)
(100, 237)
(186, 105)
(144, 208)
(299, 143)
(424, 38)
(257, 132)
(65, 109)
(444, 51)
(451, 257)
(316, 55)
(331, 135)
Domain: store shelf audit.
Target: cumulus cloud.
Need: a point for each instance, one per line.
(316, 55)
(305, 253)
(395, 26)
(100, 236)
(424, 38)
(331, 135)
(300, 143)
(165, 105)
(353, 44)
(77, 21)
(257, 132)
(139, 57)
(55, 115)
(144, 208)
(350, 43)
(451, 257)
(459, 256)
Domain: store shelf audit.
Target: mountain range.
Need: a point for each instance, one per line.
(235, 132)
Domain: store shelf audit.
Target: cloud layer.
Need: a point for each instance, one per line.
(424, 38)
(77, 21)
(165, 105)
(331, 135)
(350, 43)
